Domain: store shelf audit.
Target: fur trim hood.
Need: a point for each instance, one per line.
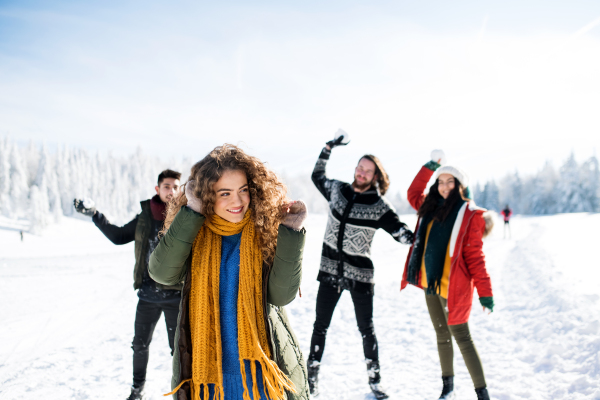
(489, 218)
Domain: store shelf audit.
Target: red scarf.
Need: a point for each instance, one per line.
(158, 208)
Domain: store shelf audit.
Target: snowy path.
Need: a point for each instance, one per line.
(68, 310)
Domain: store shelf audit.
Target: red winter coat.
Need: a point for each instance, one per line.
(506, 215)
(467, 269)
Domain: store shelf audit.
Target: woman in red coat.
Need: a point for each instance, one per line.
(447, 261)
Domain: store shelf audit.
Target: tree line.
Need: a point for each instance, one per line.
(573, 187)
(38, 185)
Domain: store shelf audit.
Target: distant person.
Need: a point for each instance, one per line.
(154, 298)
(357, 210)
(237, 242)
(507, 213)
(21, 233)
(447, 261)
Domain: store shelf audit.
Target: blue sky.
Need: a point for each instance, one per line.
(498, 85)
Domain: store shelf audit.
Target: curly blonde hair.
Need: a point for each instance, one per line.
(267, 192)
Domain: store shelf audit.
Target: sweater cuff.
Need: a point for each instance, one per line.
(432, 165)
(487, 302)
(325, 153)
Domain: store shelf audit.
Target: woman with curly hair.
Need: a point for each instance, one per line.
(236, 243)
(447, 261)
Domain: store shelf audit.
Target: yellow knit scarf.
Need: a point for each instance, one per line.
(205, 317)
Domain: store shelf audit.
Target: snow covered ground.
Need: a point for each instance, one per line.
(67, 308)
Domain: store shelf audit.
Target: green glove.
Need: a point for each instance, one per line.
(432, 165)
(487, 302)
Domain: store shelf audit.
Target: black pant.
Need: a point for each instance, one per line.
(146, 317)
(327, 299)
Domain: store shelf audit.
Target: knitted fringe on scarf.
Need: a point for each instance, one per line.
(205, 314)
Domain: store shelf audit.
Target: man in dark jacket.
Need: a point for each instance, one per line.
(154, 299)
(356, 211)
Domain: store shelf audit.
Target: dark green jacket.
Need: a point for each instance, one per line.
(138, 229)
(169, 264)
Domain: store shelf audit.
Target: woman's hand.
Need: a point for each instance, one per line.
(294, 214)
(487, 303)
(192, 201)
(438, 156)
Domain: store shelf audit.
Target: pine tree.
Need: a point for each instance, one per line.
(492, 196)
(19, 190)
(46, 178)
(543, 191)
(5, 203)
(39, 212)
(590, 184)
(569, 188)
(479, 196)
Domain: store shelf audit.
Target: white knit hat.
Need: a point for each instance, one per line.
(455, 172)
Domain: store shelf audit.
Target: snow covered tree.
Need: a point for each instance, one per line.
(39, 213)
(19, 190)
(511, 192)
(543, 195)
(46, 178)
(489, 197)
(40, 185)
(5, 203)
(477, 194)
(590, 184)
(569, 190)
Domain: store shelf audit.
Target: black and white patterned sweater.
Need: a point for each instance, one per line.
(353, 220)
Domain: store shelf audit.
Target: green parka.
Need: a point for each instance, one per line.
(170, 263)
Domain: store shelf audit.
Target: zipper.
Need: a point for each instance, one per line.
(341, 239)
(456, 258)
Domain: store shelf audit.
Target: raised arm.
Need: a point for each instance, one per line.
(168, 261)
(318, 176)
(416, 191)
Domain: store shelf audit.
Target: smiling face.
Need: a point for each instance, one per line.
(232, 196)
(167, 189)
(446, 184)
(364, 175)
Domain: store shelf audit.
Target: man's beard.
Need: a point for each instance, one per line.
(362, 186)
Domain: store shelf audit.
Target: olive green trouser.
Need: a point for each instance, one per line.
(444, 332)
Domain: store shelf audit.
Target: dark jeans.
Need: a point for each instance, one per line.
(444, 332)
(327, 299)
(146, 317)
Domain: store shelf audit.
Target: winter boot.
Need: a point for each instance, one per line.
(137, 393)
(448, 389)
(313, 377)
(375, 379)
(482, 394)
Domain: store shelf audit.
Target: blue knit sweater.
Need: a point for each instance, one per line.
(228, 296)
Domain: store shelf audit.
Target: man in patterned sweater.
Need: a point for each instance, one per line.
(356, 211)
